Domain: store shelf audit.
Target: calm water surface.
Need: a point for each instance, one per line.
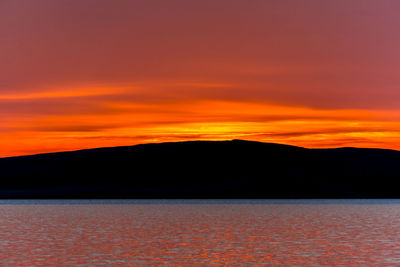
(200, 233)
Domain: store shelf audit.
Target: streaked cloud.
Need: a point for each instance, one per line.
(90, 73)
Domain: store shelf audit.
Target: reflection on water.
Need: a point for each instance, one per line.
(200, 234)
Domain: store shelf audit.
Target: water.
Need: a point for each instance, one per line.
(200, 233)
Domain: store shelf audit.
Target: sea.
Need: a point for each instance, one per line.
(200, 232)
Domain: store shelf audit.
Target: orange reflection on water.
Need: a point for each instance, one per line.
(201, 234)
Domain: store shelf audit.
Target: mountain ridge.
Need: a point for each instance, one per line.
(203, 169)
(193, 141)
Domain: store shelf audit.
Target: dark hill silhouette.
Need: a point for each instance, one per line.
(204, 169)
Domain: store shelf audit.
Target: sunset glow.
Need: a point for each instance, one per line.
(88, 74)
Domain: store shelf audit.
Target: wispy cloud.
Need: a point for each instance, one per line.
(79, 74)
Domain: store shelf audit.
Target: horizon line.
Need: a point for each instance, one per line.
(197, 140)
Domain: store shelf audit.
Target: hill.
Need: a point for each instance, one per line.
(204, 169)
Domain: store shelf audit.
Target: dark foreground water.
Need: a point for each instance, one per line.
(200, 233)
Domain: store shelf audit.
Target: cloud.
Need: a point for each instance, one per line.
(307, 73)
(316, 54)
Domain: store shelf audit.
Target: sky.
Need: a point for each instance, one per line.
(95, 73)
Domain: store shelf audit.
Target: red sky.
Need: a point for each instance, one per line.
(93, 73)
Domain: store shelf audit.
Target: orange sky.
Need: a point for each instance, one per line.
(83, 74)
